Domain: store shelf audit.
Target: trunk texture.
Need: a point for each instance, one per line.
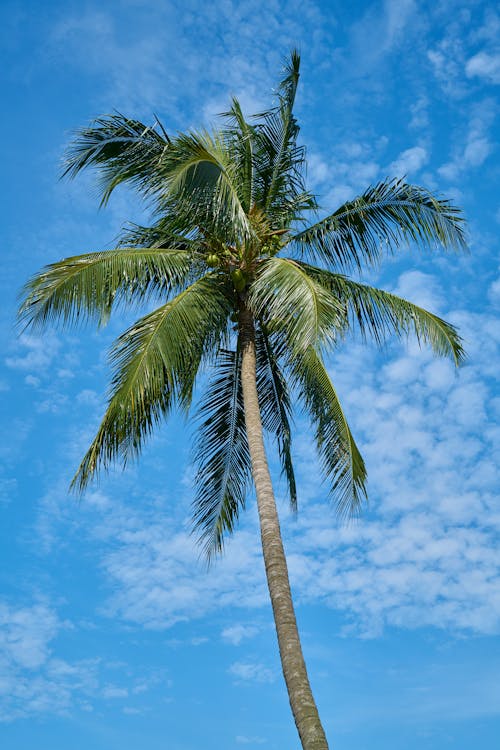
(305, 713)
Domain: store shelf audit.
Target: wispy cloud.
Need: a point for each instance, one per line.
(251, 672)
(409, 161)
(26, 633)
(33, 680)
(381, 28)
(484, 65)
(242, 739)
(140, 71)
(38, 353)
(476, 144)
(235, 634)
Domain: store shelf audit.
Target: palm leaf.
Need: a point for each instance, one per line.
(379, 313)
(284, 294)
(199, 174)
(221, 454)
(241, 136)
(382, 218)
(162, 234)
(156, 362)
(88, 286)
(280, 162)
(341, 461)
(122, 149)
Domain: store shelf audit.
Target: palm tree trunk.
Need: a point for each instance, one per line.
(305, 713)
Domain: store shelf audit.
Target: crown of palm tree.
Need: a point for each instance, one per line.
(231, 227)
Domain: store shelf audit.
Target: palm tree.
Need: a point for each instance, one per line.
(229, 257)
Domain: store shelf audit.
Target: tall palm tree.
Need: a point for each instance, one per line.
(229, 257)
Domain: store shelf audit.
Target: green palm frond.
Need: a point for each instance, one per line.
(221, 455)
(122, 149)
(161, 234)
(156, 362)
(379, 313)
(280, 161)
(275, 406)
(383, 218)
(287, 87)
(284, 294)
(88, 286)
(241, 136)
(200, 176)
(341, 461)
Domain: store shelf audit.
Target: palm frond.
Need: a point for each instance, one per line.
(200, 176)
(88, 286)
(275, 406)
(221, 455)
(287, 87)
(156, 362)
(341, 461)
(280, 161)
(378, 314)
(384, 217)
(162, 234)
(122, 149)
(241, 136)
(284, 294)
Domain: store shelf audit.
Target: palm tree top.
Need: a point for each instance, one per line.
(231, 240)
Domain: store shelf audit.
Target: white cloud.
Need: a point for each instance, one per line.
(494, 292)
(346, 176)
(89, 398)
(318, 171)
(489, 30)
(419, 113)
(32, 380)
(477, 145)
(348, 173)
(484, 65)
(159, 580)
(421, 288)
(140, 72)
(448, 55)
(33, 681)
(234, 634)
(251, 672)
(409, 162)
(25, 634)
(379, 31)
(40, 352)
(113, 691)
(8, 489)
(398, 14)
(242, 739)
(476, 151)
(446, 61)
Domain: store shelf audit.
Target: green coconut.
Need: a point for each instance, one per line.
(239, 280)
(212, 261)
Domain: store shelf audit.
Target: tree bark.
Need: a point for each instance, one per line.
(305, 712)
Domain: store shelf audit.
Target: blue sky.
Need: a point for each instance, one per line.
(112, 633)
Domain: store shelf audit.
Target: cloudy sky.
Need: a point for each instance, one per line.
(113, 634)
